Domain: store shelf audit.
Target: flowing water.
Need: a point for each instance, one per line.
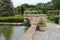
(11, 32)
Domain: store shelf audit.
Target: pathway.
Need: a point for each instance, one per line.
(52, 33)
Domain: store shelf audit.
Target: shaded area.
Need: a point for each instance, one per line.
(27, 22)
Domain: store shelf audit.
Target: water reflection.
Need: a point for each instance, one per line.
(6, 31)
(11, 32)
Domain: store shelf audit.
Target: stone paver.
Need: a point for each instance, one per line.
(52, 33)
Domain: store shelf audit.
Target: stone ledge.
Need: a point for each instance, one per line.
(28, 34)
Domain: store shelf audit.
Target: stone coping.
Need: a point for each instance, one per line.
(28, 34)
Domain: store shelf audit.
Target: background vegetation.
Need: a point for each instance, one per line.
(42, 8)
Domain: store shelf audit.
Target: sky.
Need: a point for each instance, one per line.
(30, 2)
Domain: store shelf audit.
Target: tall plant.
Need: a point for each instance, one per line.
(42, 21)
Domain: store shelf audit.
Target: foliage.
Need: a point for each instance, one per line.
(25, 6)
(19, 18)
(48, 5)
(26, 11)
(56, 4)
(53, 18)
(39, 11)
(30, 9)
(48, 19)
(42, 21)
(7, 31)
(6, 8)
(57, 17)
(39, 6)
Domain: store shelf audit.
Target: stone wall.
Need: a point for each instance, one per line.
(34, 18)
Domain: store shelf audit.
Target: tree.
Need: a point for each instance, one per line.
(32, 6)
(39, 11)
(6, 8)
(48, 5)
(39, 6)
(56, 4)
(44, 7)
(20, 9)
(25, 6)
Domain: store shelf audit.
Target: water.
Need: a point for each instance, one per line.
(11, 32)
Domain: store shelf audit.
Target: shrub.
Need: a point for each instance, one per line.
(39, 11)
(51, 18)
(12, 19)
(42, 21)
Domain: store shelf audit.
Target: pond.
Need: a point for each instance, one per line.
(11, 32)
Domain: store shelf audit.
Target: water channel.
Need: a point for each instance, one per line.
(11, 32)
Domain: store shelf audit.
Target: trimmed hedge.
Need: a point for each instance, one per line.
(19, 18)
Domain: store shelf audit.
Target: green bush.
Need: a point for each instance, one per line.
(12, 19)
(39, 11)
(42, 21)
(53, 18)
(56, 17)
